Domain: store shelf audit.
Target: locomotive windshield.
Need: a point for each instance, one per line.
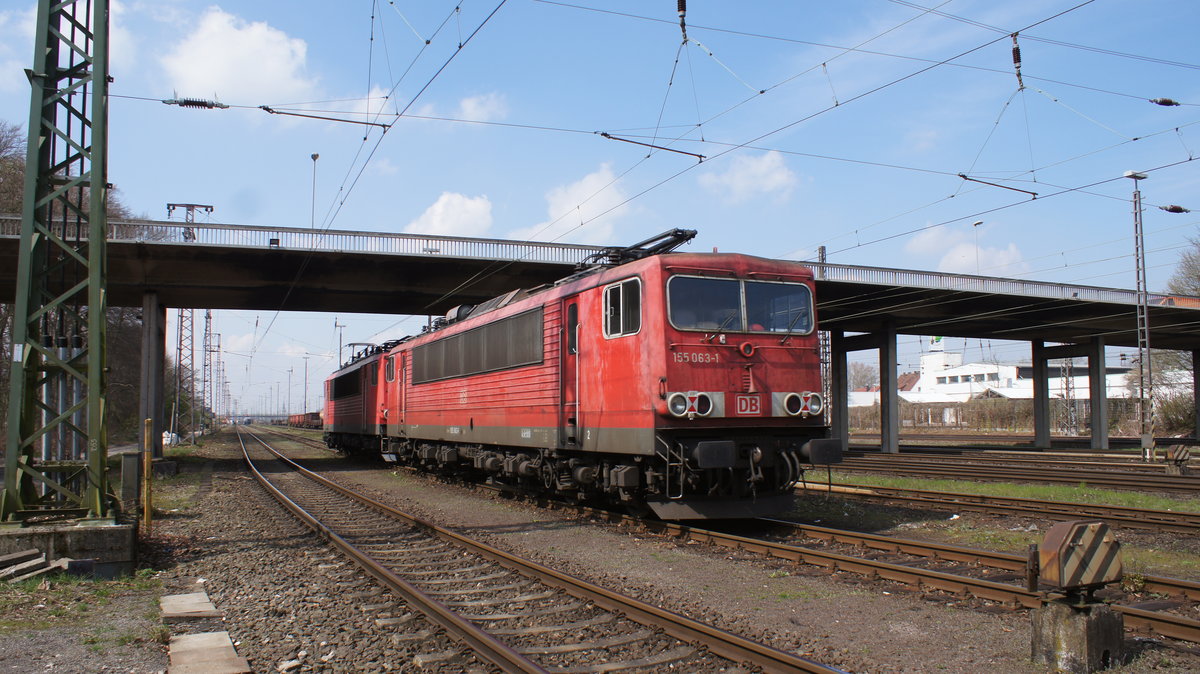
(734, 305)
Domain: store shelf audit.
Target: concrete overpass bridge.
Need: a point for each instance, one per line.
(156, 264)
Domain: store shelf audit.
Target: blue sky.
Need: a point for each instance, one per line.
(838, 124)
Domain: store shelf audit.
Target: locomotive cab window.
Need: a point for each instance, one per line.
(374, 374)
(389, 368)
(623, 308)
(735, 305)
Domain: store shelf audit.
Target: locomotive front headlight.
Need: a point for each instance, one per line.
(815, 403)
(704, 405)
(677, 404)
(793, 404)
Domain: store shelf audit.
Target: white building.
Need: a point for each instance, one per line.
(943, 378)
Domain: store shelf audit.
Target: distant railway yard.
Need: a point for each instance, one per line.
(364, 566)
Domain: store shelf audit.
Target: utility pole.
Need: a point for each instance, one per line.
(289, 391)
(1145, 373)
(57, 442)
(305, 384)
(826, 356)
(338, 326)
(185, 374)
(207, 396)
(189, 232)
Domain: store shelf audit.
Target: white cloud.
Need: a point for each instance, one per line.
(485, 108)
(935, 240)
(293, 350)
(122, 45)
(239, 61)
(595, 200)
(454, 215)
(383, 167)
(749, 177)
(239, 343)
(16, 48)
(958, 253)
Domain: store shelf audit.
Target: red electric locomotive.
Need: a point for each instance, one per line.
(685, 383)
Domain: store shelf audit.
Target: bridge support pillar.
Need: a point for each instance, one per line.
(889, 405)
(1093, 350)
(1196, 393)
(1098, 393)
(1041, 396)
(154, 338)
(839, 389)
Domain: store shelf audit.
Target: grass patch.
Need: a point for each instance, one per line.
(176, 491)
(1080, 493)
(58, 600)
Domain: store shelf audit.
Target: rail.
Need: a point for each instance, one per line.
(174, 232)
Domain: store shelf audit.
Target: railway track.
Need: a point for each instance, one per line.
(988, 457)
(515, 614)
(1139, 518)
(1021, 443)
(994, 576)
(964, 471)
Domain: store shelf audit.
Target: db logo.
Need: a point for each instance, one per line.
(748, 406)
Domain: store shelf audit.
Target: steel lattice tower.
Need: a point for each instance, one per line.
(56, 443)
(185, 374)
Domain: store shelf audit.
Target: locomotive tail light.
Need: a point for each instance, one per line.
(678, 404)
(703, 404)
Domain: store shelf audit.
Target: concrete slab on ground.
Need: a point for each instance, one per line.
(207, 653)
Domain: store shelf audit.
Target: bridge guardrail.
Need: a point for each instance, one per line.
(294, 238)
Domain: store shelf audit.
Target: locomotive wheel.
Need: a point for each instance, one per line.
(549, 477)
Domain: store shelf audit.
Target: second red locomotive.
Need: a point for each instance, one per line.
(685, 383)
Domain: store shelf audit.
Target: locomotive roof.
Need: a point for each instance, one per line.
(726, 264)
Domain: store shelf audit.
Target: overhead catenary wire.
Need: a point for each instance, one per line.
(347, 190)
(677, 174)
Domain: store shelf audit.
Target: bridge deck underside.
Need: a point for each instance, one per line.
(233, 277)
(860, 307)
(191, 275)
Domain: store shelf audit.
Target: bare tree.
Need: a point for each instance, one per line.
(863, 376)
(124, 325)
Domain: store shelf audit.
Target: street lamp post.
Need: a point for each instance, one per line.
(975, 226)
(312, 216)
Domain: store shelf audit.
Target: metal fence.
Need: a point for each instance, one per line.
(292, 238)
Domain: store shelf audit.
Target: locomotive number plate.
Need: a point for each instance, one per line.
(747, 406)
(695, 357)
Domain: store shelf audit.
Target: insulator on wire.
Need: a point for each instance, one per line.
(682, 6)
(1016, 52)
(1168, 102)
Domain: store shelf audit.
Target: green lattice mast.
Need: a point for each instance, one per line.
(56, 446)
